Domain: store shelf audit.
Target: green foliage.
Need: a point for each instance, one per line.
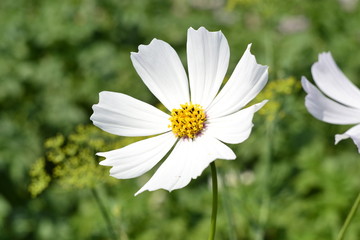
(276, 91)
(71, 161)
(289, 181)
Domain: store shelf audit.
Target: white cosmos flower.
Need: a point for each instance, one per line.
(200, 120)
(342, 103)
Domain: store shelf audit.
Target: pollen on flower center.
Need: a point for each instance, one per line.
(188, 121)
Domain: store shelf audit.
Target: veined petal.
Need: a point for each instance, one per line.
(123, 115)
(236, 127)
(137, 158)
(208, 59)
(247, 80)
(160, 68)
(332, 81)
(187, 161)
(353, 133)
(326, 109)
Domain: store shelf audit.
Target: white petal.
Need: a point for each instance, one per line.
(123, 115)
(326, 109)
(160, 68)
(332, 81)
(236, 127)
(187, 161)
(137, 158)
(247, 80)
(208, 59)
(353, 133)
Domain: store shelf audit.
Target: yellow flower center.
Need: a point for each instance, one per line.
(188, 121)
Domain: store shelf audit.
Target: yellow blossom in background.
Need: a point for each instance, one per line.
(275, 91)
(40, 179)
(70, 161)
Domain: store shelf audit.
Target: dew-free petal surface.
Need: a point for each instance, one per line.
(326, 109)
(353, 133)
(160, 68)
(123, 115)
(139, 157)
(208, 59)
(247, 80)
(332, 81)
(236, 127)
(187, 161)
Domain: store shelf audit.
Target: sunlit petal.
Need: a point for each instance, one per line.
(236, 127)
(123, 115)
(353, 133)
(187, 161)
(208, 59)
(160, 68)
(247, 80)
(137, 158)
(332, 81)
(326, 109)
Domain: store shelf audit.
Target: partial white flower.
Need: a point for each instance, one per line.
(200, 118)
(341, 105)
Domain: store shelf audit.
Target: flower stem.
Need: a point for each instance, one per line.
(105, 214)
(215, 201)
(349, 218)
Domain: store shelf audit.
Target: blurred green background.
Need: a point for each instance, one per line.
(288, 182)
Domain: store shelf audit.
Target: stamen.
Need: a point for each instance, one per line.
(188, 121)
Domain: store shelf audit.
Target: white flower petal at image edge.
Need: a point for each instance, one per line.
(202, 118)
(341, 102)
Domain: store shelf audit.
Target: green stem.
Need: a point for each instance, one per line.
(104, 213)
(215, 201)
(349, 218)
